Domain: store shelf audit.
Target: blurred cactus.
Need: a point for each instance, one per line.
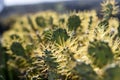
(109, 8)
(112, 73)
(100, 52)
(86, 72)
(52, 46)
(40, 21)
(60, 36)
(73, 22)
(17, 49)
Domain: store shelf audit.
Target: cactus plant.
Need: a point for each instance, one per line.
(75, 46)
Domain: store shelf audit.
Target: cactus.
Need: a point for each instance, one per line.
(60, 36)
(100, 53)
(52, 46)
(109, 8)
(40, 21)
(112, 73)
(73, 22)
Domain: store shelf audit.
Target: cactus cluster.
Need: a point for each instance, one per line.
(73, 46)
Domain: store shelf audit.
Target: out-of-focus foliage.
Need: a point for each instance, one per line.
(74, 46)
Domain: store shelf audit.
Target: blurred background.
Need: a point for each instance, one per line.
(10, 8)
